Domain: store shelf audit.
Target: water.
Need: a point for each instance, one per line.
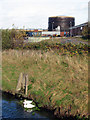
(11, 108)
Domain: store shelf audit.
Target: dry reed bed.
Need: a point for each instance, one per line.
(55, 81)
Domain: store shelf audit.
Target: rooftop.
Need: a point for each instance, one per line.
(81, 25)
(62, 16)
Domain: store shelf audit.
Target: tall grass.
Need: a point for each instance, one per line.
(55, 81)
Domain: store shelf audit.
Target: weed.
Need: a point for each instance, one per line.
(30, 87)
(32, 79)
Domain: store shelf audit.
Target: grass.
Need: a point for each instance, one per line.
(55, 80)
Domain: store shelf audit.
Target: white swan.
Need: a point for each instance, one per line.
(27, 104)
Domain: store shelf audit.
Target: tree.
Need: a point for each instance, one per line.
(86, 32)
(13, 38)
(6, 40)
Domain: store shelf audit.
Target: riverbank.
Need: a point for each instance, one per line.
(45, 110)
(12, 108)
(58, 82)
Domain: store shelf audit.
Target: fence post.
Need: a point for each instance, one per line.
(26, 84)
(19, 82)
(22, 83)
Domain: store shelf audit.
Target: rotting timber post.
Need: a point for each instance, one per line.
(22, 85)
(26, 84)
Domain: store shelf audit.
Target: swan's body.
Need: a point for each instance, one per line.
(27, 104)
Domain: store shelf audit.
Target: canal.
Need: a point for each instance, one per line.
(12, 109)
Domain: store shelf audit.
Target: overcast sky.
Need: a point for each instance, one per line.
(35, 13)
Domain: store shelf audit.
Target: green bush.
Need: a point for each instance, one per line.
(86, 32)
(6, 39)
(12, 39)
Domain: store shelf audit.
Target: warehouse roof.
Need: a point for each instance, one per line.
(81, 25)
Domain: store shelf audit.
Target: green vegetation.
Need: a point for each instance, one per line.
(62, 49)
(86, 32)
(58, 75)
(12, 39)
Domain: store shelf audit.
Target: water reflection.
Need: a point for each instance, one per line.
(12, 109)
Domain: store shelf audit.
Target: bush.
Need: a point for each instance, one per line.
(86, 32)
(12, 39)
(6, 39)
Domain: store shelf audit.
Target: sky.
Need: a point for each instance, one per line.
(35, 13)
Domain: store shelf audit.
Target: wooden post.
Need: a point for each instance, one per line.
(26, 84)
(19, 82)
(22, 83)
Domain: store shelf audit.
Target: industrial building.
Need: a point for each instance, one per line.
(77, 30)
(58, 26)
(61, 23)
(34, 33)
(41, 33)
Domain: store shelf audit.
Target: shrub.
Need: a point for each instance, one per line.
(86, 32)
(6, 39)
(12, 39)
